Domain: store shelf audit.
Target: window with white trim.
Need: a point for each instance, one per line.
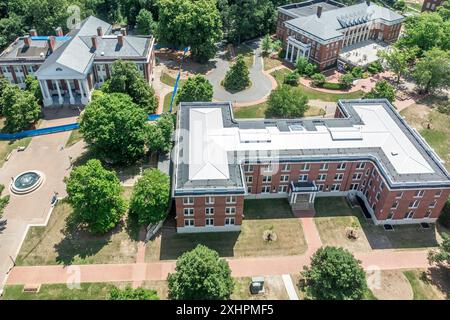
(303, 177)
(390, 216)
(338, 176)
(414, 204)
(209, 211)
(189, 222)
(248, 168)
(354, 186)
(432, 204)
(419, 193)
(305, 167)
(438, 194)
(249, 179)
(394, 205)
(341, 166)
(286, 167)
(336, 187)
(360, 165)
(320, 187)
(378, 196)
(267, 179)
(229, 221)
(230, 210)
(282, 189)
(231, 199)
(409, 215)
(209, 200)
(209, 222)
(284, 178)
(188, 211)
(381, 185)
(357, 176)
(265, 189)
(399, 195)
(428, 214)
(323, 166)
(249, 189)
(188, 200)
(268, 168)
(321, 177)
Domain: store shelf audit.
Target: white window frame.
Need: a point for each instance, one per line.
(322, 177)
(286, 167)
(357, 176)
(249, 179)
(284, 178)
(267, 179)
(323, 167)
(191, 223)
(341, 166)
(438, 194)
(230, 221)
(399, 196)
(282, 188)
(209, 211)
(188, 212)
(302, 177)
(264, 189)
(305, 167)
(338, 177)
(248, 168)
(419, 194)
(230, 210)
(209, 200)
(410, 215)
(414, 205)
(209, 222)
(360, 166)
(432, 204)
(334, 189)
(187, 200)
(230, 199)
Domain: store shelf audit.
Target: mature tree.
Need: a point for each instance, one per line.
(194, 23)
(334, 274)
(144, 22)
(96, 196)
(132, 294)
(150, 198)
(441, 256)
(426, 31)
(432, 72)
(115, 128)
(196, 88)
(357, 72)
(159, 134)
(318, 79)
(32, 86)
(444, 10)
(305, 68)
(249, 19)
(291, 78)
(444, 218)
(20, 108)
(346, 80)
(3, 85)
(10, 28)
(237, 78)
(375, 67)
(397, 60)
(382, 89)
(201, 275)
(266, 44)
(399, 5)
(127, 79)
(287, 102)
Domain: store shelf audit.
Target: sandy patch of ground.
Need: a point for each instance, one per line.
(390, 285)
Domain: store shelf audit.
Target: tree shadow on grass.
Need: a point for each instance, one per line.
(439, 276)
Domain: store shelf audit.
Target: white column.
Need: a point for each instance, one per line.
(48, 100)
(292, 53)
(71, 99)
(287, 51)
(60, 97)
(44, 93)
(84, 99)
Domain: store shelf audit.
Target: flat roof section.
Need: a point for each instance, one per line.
(362, 53)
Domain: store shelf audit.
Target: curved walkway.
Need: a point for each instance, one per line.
(262, 84)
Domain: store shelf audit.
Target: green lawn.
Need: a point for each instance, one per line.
(423, 287)
(318, 95)
(63, 242)
(259, 111)
(334, 215)
(260, 215)
(166, 105)
(7, 146)
(170, 81)
(246, 52)
(75, 136)
(271, 62)
(87, 291)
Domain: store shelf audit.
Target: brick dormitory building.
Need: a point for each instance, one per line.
(366, 151)
(326, 32)
(69, 67)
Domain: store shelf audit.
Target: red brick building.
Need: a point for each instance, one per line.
(319, 30)
(431, 5)
(366, 151)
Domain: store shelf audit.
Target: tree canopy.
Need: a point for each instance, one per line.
(115, 128)
(397, 60)
(194, 23)
(237, 77)
(159, 134)
(150, 198)
(96, 196)
(334, 274)
(201, 275)
(126, 78)
(144, 22)
(432, 72)
(196, 88)
(382, 89)
(441, 255)
(287, 102)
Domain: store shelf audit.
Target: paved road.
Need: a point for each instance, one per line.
(43, 154)
(261, 83)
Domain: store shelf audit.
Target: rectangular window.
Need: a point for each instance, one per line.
(284, 178)
(419, 193)
(336, 187)
(409, 215)
(390, 216)
(377, 196)
(399, 194)
(354, 186)
(268, 168)
(322, 177)
(324, 166)
(286, 167)
(209, 222)
(432, 204)
(249, 189)
(360, 165)
(342, 166)
(320, 187)
(267, 179)
(249, 179)
(209, 211)
(188, 211)
(381, 185)
(282, 189)
(370, 183)
(209, 200)
(231, 199)
(188, 200)
(338, 176)
(394, 205)
(438, 194)
(367, 172)
(248, 168)
(229, 221)
(357, 176)
(265, 189)
(414, 204)
(303, 177)
(230, 210)
(428, 214)
(189, 222)
(305, 167)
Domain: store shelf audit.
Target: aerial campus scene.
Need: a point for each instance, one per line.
(225, 150)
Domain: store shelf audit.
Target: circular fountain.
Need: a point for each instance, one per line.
(27, 182)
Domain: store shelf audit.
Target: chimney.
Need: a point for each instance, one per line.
(33, 32)
(120, 39)
(123, 31)
(51, 43)
(100, 31)
(319, 11)
(94, 42)
(27, 41)
(59, 32)
(368, 2)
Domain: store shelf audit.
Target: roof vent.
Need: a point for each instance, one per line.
(102, 53)
(42, 55)
(394, 153)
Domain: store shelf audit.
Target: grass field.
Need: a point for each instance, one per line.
(423, 286)
(75, 136)
(260, 215)
(271, 62)
(315, 94)
(7, 146)
(246, 52)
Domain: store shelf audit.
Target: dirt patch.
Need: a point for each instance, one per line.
(171, 60)
(417, 115)
(390, 285)
(273, 289)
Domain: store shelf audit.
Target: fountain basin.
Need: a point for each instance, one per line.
(27, 182)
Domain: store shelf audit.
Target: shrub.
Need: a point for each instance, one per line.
(346, 80)
(332, 86)
(287, 102)
(375, 67)
(318, 79)
(291, 78)
(237, 78)
(132, 294)
(357, 72)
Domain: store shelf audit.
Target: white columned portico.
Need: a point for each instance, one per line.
(69, 88)
(60, 97)
(83, 91)
(48, 99)
(295, 46)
